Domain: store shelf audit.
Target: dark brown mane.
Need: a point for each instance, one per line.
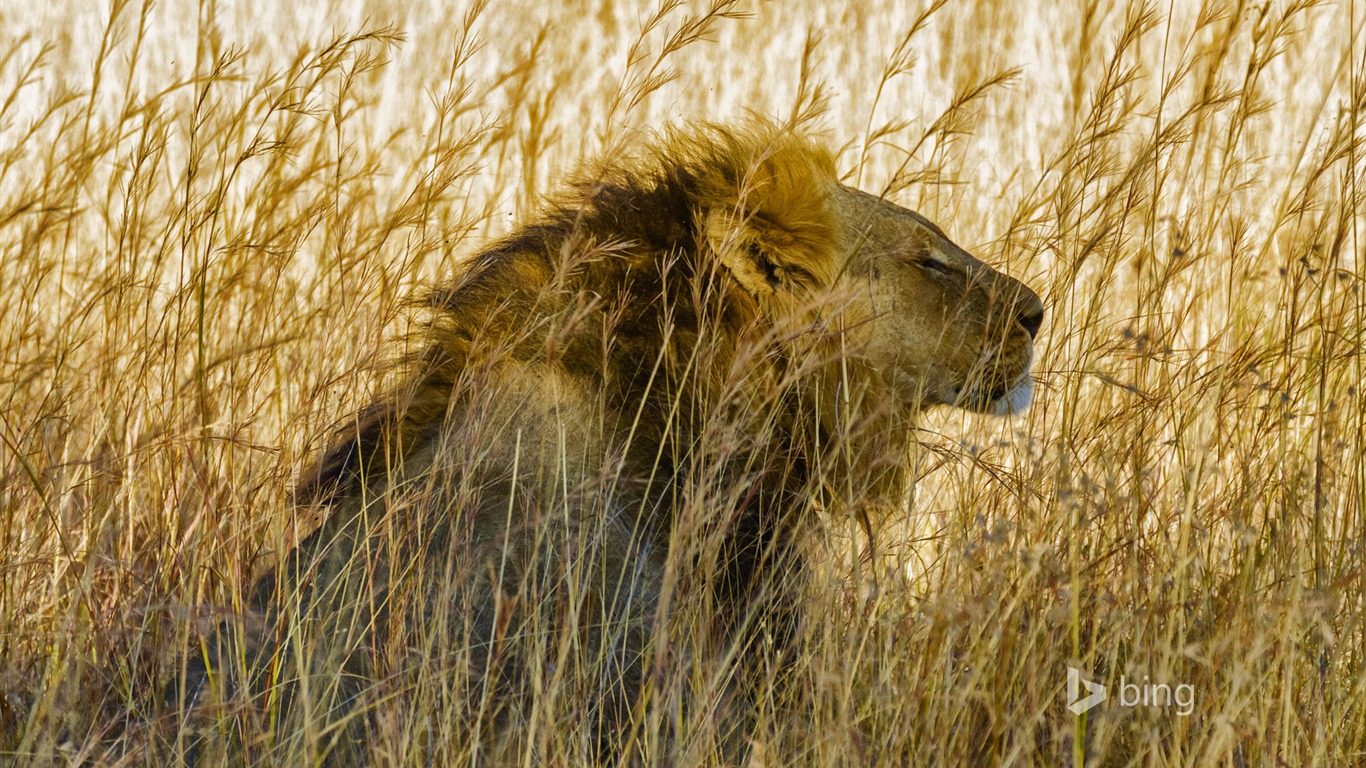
(590, 286)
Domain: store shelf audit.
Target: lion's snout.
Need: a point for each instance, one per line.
(1011, 305)
(999, 379)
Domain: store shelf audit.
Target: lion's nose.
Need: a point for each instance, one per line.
(1030, 313)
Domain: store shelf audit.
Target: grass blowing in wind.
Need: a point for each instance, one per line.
(351, 416)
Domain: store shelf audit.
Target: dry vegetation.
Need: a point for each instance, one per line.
(210, 223)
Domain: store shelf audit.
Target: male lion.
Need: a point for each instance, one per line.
(574, 531)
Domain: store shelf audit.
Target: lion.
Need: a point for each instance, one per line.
(581, 510)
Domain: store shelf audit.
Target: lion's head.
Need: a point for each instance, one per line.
(929, 322)
(944, 326)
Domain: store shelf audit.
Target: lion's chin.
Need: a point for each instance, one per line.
(1014, 401)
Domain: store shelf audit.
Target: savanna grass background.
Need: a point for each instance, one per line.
(212, 218)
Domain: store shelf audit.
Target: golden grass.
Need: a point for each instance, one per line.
(210, 220)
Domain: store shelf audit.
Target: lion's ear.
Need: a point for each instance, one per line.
(767, 256)
(755, 261)
(772, 225)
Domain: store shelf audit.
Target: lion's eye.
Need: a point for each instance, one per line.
(934, 265)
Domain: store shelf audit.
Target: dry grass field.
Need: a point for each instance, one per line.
(213, 220)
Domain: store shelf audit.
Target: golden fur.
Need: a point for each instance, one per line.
(627, 415)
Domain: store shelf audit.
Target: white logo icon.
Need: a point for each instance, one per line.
(1095, 692)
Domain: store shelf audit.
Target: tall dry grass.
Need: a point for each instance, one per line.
(211, 218)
